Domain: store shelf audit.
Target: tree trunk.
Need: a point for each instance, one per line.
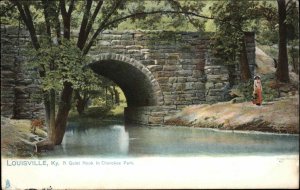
(282, 70)
(81, 102)
(63, 112)
(47, 109)
(106, 103)
(117, 97)
(51, 132)
(244, 63)
(80, 105)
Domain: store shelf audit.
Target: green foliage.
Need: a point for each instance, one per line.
(267, 20)
(268, 93)
(163, 21)
(61, 63)
(246, 88)
(9, 14)
(232, 18)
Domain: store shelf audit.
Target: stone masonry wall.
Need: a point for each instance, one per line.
(175, 59)
(179, 61)
(18, 89)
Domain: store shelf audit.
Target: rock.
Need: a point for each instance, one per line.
(285, 89)
(44, 145)
(237, 100)
(236, 93)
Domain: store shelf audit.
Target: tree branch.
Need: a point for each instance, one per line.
(66, 17)
(118, 3)
(26, 16)
(46, 15)
(71, 7)
(289, 6)
(57, 25)
(156, 12)
(62, 5)
(105, 25)
(92, 20)
(84, 22)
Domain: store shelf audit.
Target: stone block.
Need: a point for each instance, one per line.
(172, 79)
(7, 74)
(199, 101)
(199, 85)
(24, 81)
(191, 79)
(221, 77)
(163, 79)
(165, 73)
(145, 50)
(173, 56)
(219, 85)
(104, 43)
(126, 42)
(182, 102)
(181, 79)
(155, 67)
(166, 87)
(171, 62)
(136, 47)
(133, 51)
(127, 36)
(209, 85)
(189, 86)
(185, 73)
(156, 120)
(211, 98)
(215, 92)
(178, 86)
(171, 67)
(200, 95)
(188, 67)
(158, 113)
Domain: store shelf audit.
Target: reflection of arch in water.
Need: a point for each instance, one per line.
(137, 82)
(122, 139)
(103, 141)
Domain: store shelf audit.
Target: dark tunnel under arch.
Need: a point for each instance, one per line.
(136, 81)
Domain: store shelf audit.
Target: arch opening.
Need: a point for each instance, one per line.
(135, 80)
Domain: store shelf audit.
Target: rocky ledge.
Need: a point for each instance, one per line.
(17, 139)
(279, 116)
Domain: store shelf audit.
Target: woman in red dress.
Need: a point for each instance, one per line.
(257, 91)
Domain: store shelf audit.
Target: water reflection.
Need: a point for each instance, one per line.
(78, 141)
(114, 140)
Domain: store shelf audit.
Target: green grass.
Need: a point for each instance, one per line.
(102, 111)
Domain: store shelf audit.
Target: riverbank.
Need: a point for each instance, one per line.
(17, 140)
(278, 116)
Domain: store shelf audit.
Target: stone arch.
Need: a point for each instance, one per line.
(137, 82)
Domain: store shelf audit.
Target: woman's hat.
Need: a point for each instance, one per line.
(256, 77)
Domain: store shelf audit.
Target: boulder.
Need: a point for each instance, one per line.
(44, 145)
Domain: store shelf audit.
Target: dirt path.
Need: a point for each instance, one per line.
(280, 116)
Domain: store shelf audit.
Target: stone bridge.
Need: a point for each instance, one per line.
(160, 72)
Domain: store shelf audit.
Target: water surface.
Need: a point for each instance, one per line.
(113, 140)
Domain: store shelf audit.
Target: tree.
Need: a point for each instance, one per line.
(282, 70)
(288, 20)
(95, 17)
(233, 19)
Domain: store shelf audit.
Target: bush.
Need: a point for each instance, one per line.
(269, 91)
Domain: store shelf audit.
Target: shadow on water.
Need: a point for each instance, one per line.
(109, 138)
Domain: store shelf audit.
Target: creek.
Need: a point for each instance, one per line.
(113, 139)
